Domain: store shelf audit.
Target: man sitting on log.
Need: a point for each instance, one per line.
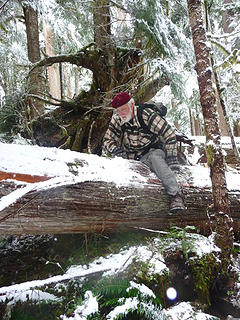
(156, 148)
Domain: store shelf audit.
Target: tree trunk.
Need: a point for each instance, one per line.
(222, 117)
(225, 125)
(98, 206)
(236, 129)
(222, 223)
(227, 19)
(67, 82)
(36, 81)
(53, 71)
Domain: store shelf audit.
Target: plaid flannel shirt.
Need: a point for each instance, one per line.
(135, 141)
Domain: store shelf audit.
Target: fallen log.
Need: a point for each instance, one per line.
(99, 206)
(60, 191)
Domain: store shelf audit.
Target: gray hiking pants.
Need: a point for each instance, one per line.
(155, 159)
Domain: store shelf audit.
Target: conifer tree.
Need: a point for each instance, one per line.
(36, 81)
(222, 216)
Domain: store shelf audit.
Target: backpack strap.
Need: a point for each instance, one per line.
(140, 110)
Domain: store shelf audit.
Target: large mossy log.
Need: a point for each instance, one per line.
(98, 206)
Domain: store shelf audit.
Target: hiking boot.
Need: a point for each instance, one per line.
(176, 204)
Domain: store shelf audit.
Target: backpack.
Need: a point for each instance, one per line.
(162, 111)
(159, 108)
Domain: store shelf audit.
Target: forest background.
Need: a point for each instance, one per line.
(146, 48)
(63, 61)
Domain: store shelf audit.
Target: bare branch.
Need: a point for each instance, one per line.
(83, 58)
(44, 100)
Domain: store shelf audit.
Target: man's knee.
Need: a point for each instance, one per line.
(158, 154)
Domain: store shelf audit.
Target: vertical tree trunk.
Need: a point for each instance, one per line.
(77, 81)
(227, 120)
(67, 82)
(53, 71)
(222, 119)
(227, 19)
(198, 127)
(225, 125)
(104, 41)
(191, 122)
(36, 77)
(236, 129)
(103, 38)
(223, 222)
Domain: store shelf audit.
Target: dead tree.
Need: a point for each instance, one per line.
(99, 206)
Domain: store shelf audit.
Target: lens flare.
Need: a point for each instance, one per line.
(171, 293)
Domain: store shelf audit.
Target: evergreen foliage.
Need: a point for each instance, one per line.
(123, 299)
(13, 114)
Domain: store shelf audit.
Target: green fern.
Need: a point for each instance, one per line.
(114, 293)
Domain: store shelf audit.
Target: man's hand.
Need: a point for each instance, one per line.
(120, 153)
(173, 164)
(175, 167)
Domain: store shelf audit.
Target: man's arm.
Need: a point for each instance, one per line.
(112, 138)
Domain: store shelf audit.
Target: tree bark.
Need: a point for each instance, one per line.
(53, 71)
(36, 82)
(227, 18)
(100, 206)
(222, 222)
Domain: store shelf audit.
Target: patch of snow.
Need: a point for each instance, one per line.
(130, 303)
(33, 294)
(89, 306)
(185, 311)
(145, 291)
(154, 259)
(203, 245)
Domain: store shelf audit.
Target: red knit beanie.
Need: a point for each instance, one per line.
(120, 99)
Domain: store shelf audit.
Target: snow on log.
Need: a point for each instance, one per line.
(61, 191)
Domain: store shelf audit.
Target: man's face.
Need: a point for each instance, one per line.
(125, 112)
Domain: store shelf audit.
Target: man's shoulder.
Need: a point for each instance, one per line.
(152, 108)
(147, 112)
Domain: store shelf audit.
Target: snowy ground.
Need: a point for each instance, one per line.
(110, 266)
